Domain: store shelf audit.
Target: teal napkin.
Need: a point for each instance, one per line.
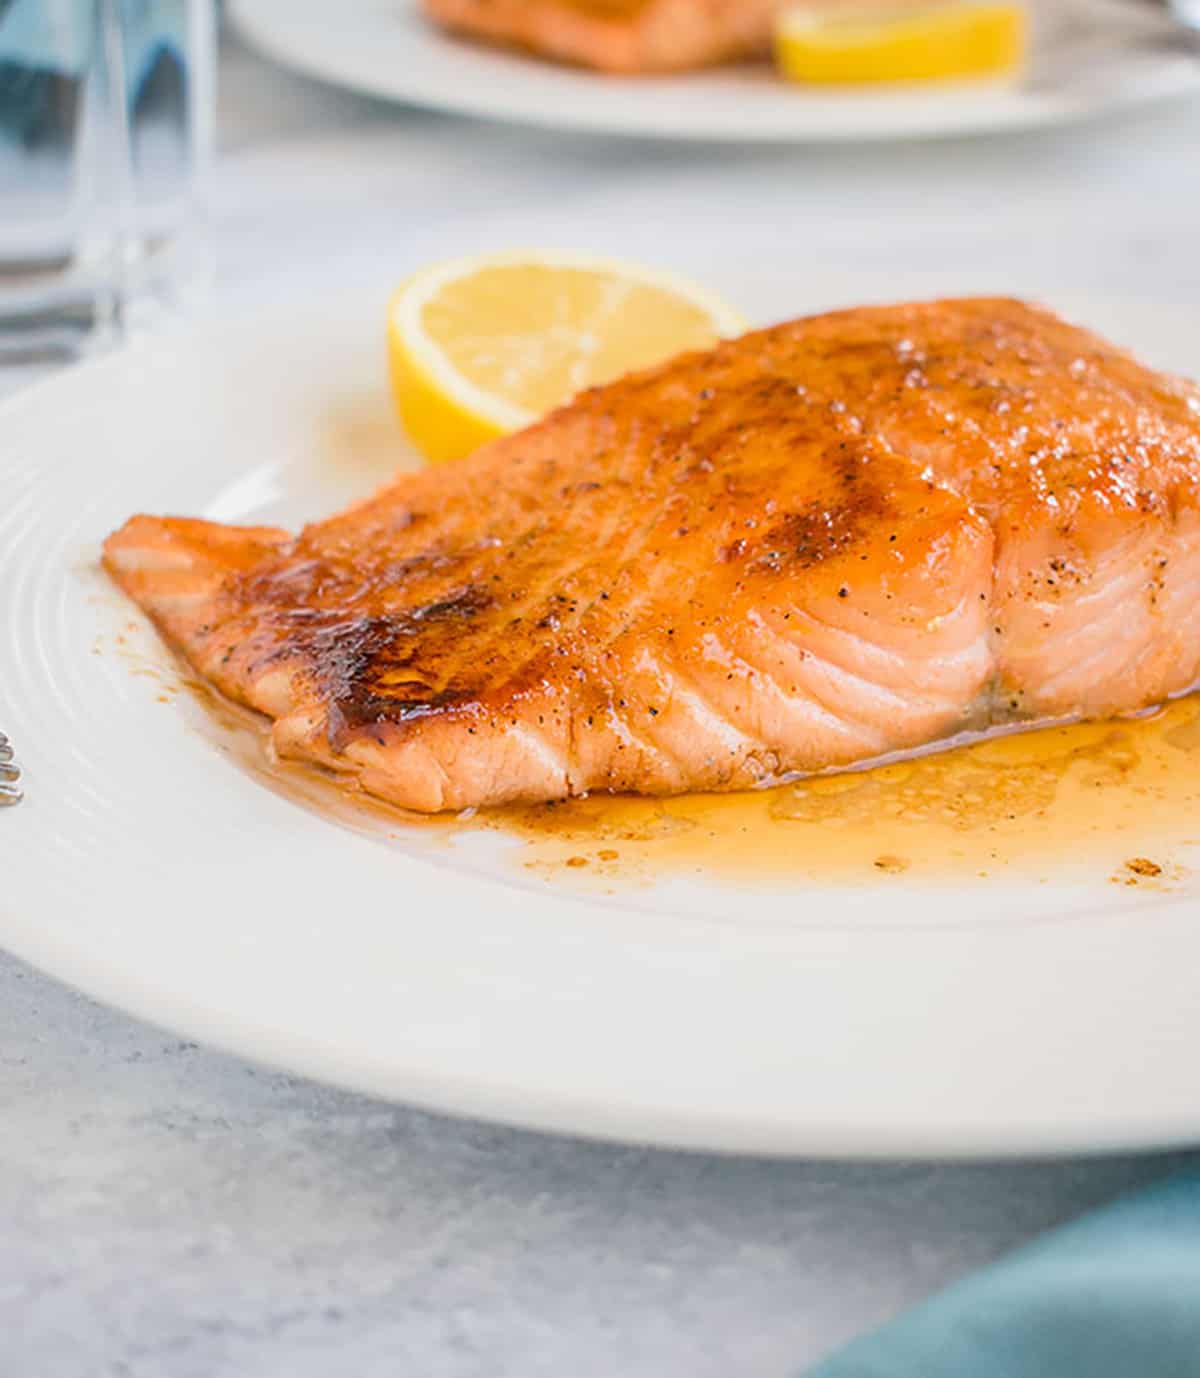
(1116, 1294)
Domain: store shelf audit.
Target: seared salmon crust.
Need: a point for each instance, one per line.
(618, 36)
(821, 543)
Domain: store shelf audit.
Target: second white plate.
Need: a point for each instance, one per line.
(385, 48)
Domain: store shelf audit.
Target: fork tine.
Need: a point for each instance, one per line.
(10, 773)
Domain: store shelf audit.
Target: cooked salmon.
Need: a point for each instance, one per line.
(839, 538)
(622, 36)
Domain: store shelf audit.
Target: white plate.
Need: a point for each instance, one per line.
(385, 48)
(150, 868)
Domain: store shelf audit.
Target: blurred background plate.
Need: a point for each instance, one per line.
(385, 48)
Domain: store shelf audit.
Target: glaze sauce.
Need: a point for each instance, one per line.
(1117, 799)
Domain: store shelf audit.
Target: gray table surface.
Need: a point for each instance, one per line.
(168, 1212)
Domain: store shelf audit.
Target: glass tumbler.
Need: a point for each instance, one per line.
(106, 111)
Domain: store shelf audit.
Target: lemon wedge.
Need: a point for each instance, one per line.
(928, 44)
(482, 346)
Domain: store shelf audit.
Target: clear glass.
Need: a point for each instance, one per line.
(106, 113)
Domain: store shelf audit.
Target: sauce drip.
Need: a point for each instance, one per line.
(1118, 799)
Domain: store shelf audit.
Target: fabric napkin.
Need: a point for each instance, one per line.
(1115, 1294)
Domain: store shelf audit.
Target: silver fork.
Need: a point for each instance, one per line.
(10, 773)
(1079, 47)
(1179, 19)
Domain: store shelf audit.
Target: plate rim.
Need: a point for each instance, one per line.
(514, 1108)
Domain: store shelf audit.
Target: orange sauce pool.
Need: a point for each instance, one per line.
(1117, 799)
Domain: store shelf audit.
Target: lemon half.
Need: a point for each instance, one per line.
(483, 346)
(940, 42)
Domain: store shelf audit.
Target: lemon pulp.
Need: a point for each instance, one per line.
(940, 42)
(483, 346)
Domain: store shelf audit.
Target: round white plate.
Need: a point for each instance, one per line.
(151, 868)
(385, 48)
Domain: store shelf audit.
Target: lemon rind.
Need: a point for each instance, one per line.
(408, 304)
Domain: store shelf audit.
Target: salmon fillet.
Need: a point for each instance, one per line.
(835, 539)
(621, 36)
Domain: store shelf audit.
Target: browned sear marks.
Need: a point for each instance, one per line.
(841, 538)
